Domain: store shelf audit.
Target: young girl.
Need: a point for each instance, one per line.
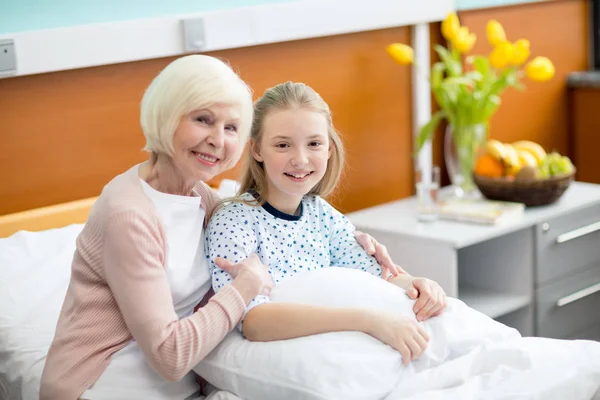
(296, 156)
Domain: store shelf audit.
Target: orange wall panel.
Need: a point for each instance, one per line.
(64, 135)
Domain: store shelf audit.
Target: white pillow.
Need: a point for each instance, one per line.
(344, 365)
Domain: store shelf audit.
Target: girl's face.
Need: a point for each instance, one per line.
(206, 142)
(294, 150)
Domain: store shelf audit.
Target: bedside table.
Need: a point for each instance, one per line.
(539, 273)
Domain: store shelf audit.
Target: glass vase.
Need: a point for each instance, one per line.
(462, 146)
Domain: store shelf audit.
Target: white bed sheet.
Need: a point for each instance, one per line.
(35, 271)
(35, 268)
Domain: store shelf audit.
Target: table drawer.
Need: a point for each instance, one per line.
(567, 244)
(589, 334)
(569, 306)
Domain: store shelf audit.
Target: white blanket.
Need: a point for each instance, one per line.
(499, 364)
(523, 368)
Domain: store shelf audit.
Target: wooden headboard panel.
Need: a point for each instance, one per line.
(49, 217)
(66, 134)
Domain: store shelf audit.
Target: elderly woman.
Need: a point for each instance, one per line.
(130, 326)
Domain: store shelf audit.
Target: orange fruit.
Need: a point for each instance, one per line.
(487, 165)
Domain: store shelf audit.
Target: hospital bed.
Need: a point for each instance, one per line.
(36, 248)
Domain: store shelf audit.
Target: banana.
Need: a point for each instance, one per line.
(526, 158)
(495, 149)
(511, 159)
(532, 147)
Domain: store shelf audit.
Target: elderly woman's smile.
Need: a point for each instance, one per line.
(207, 159)
(207, 142)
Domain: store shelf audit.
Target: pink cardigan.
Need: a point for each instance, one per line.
(119, 291)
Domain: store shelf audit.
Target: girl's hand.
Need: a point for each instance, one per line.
(401, 333)
(431, 298)
(251, 269)
(374, 248)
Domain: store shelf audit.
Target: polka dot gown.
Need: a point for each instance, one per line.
(320, 236)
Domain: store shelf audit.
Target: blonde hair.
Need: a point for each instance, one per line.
(285, 96)
(190, 83)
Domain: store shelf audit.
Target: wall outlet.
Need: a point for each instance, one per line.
(8, 58)
(193, 34)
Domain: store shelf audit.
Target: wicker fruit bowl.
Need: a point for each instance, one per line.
(531, 192)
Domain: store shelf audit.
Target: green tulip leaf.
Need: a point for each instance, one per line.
(426, 132)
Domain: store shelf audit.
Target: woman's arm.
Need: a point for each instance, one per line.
(379, 251)
(133, 268)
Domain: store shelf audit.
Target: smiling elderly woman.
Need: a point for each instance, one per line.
(129, 325)
(128, 328)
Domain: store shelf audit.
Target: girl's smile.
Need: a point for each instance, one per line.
(298, 176)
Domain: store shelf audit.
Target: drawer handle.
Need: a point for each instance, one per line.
(588, 291)
(584, 230)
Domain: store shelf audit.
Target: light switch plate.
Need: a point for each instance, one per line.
(193, 34)
(8, 58)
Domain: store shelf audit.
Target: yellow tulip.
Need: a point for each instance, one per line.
(401, 53)
(520, 52)
(495, 33)
(501, 55)
(540, 69)
(464, 41)
(450, 26)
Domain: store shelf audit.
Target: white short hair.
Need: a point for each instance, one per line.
(190, 83)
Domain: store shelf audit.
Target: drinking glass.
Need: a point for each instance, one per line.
(428, 187)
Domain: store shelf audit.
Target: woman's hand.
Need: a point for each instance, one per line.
(251, 271)
(401, 333)
(374, 248)
(431, 298)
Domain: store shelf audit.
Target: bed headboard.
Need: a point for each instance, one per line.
(73, 212)
(38, 219)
